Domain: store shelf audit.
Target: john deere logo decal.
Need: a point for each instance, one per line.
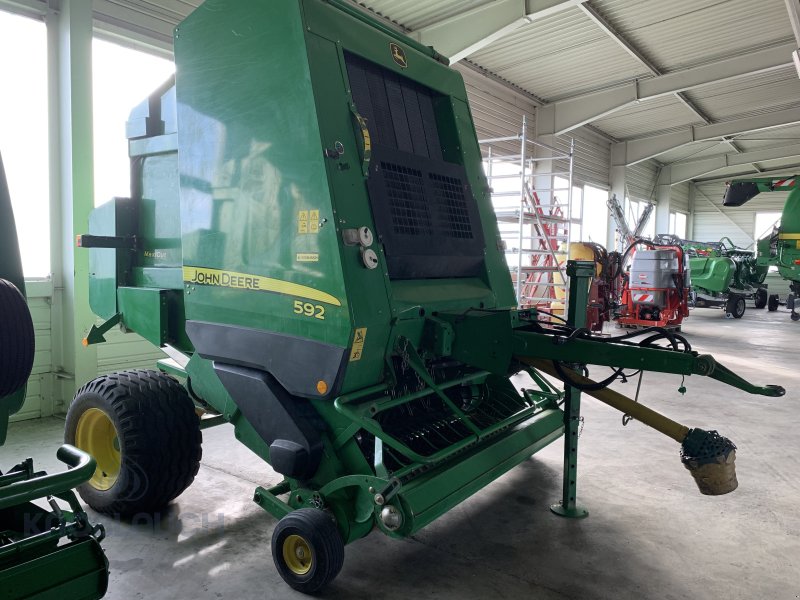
(398, 55)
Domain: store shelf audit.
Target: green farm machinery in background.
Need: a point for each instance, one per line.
(723, 275)
(782, 247)
(47, 553)
(311, 240)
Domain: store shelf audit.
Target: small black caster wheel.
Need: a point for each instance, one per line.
(307, 549)
(761, 298)
(735, 307)
(795, 316)
(773, 303)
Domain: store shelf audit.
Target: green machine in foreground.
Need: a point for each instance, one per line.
(44, 554)
(782, 247)
(311, 240)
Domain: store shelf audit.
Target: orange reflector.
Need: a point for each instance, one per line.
(797, 262)
(322, 387)
(78, 241)
(85, 341)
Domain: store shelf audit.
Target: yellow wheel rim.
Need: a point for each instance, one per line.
(297, 555)
(97, 435)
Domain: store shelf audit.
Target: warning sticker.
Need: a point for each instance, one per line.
(302, 221)
(313, 221)
(358, 344)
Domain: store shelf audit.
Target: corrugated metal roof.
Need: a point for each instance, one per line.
(770, 136)
(644, 118)
(150, 18)
(561, 55)
(695, 151)
(749, 95)
(680, 33)
(413, 14)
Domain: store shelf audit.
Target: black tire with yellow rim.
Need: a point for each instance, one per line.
(307, 549)
(142, 429)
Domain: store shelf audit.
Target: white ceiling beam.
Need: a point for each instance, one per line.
(28, 8)
(636, 150)
(637, 54)
(787, 170)
(461, 35)
(570, 113)
(609, 30)
(692, 169)
(793, 7)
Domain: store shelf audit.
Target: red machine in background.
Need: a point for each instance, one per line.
(656, 288)
(606, 284)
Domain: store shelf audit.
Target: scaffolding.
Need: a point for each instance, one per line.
(531, 185)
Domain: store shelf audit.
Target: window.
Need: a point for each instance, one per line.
(122, 79)
(24, 136)
(677, 224)
(595, 215)
(765, 221)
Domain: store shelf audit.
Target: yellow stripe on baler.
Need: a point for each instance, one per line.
(247, 281)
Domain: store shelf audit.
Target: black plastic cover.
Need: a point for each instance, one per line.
(288, 424)
(740, 192)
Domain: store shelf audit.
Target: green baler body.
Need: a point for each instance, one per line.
(310, 226)
(788, 246)
(782, 248)
(250, 175)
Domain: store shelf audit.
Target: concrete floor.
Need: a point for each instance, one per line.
(650, 534)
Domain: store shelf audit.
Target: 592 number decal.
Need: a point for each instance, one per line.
(309, 310)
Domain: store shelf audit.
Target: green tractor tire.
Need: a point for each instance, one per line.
(17, 340)
(142, 429)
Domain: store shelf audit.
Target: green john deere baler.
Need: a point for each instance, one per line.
(311, 240)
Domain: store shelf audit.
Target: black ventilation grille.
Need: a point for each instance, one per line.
(453, 215)
(399, 111)
(404, 191)
(425, 214)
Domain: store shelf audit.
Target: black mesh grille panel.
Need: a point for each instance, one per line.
(425, 214)
(404, 191)
(453, 215)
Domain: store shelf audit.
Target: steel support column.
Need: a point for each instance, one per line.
(617, 181)
(72, 189)
(580, 276)
(663, 201)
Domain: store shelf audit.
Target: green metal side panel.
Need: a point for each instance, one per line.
(713, 274)
(78, 571)
(145, 311)
(369, 309)
(251, 167)
(431, 495)
(789, 238)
